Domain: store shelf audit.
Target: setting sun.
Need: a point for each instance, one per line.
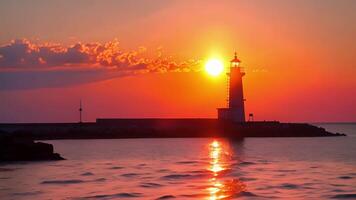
(214, 67)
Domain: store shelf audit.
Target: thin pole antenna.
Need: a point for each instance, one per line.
(227, 89)
(80, 111)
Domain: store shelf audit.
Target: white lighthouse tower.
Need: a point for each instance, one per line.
(236, 107)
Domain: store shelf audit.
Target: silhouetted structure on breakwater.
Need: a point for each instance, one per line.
(235, 110)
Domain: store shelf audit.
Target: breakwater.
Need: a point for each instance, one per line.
(161, 128)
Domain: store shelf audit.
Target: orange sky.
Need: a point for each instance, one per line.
(298, 55)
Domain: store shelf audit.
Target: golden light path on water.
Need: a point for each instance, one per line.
(220, 163)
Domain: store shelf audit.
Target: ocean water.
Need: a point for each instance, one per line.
(206, 168)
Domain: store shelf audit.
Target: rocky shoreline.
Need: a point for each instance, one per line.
(21, 149)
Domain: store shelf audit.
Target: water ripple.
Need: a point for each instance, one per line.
(129, 175)
(187, 162)
(193, 195)
(150, 185)
(344, 196)
(345, 177)
(118, 195)
(246, 194)
(64, 182)
(6, 170)
(87, 174)
(166, 197)
(27, 193)
(177, 176)
(116, 167)
(100, 180)
(246, 163)
(289, 186)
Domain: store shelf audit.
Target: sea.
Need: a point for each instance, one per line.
(187, 168)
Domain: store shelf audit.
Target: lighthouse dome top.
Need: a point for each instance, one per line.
(235, 60)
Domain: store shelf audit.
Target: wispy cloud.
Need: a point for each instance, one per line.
(23, 61)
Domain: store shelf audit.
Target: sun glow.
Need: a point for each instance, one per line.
(214, 67)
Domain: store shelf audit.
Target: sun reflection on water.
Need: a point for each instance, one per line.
(220, 162)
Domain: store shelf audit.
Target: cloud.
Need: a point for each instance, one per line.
(26, 54)
(25, 64)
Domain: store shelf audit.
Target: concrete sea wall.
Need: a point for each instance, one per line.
(161, 128)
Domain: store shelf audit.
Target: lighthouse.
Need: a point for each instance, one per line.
(235, 110)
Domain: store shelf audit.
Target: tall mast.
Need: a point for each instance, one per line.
(80, 111)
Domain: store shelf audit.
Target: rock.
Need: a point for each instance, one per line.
(19, 149)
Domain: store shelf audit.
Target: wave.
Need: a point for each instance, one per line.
(166, 197)
(344, 196)
(128, 175)
(289, 186)
(183, 176)
(345, 177)
(87, 174)
(163, 170)
(150, 185)
(193, 195)
(247, 179)
(285, 170)
(71, 181)
(100, 180)
(117, 195)
(6, 170)
(246, 194)
(177, 176)
(116, 167)
(63, 182)
(187, 162)
(27, 193)
(246, 163)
